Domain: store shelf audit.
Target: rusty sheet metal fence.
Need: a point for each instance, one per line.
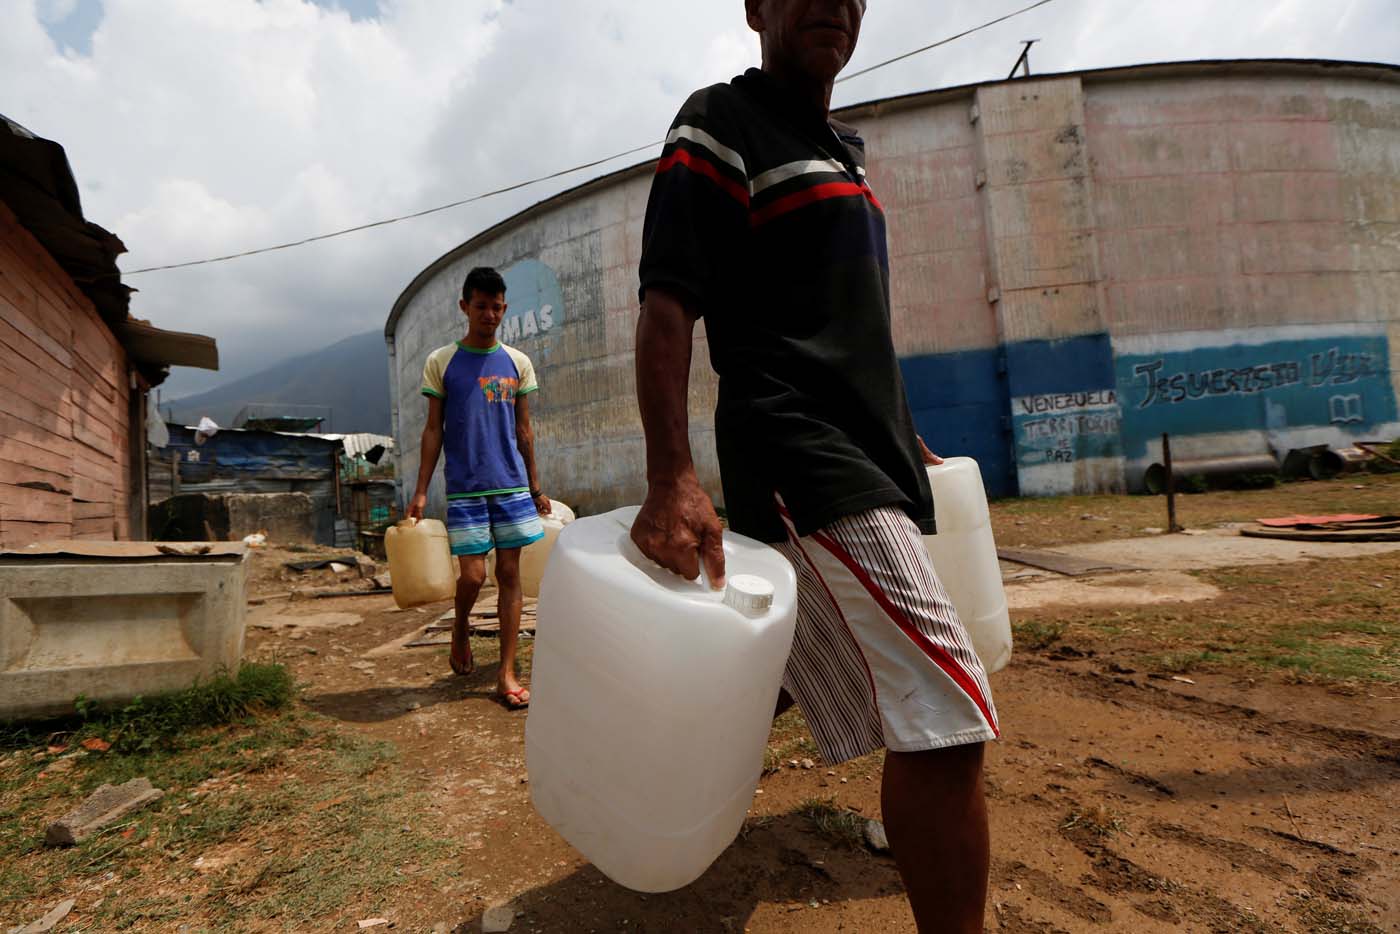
(235, 461)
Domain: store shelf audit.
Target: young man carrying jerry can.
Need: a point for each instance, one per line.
(478, 393)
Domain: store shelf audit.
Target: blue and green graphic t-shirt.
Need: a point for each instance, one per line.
(478, 390)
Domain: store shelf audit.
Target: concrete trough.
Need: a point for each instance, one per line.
(114, 620)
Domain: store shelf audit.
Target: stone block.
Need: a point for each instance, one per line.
(107, 805)
(114, 620)
(497, 920)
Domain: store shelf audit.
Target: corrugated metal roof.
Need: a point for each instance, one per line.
(361, 444)
(355, 445)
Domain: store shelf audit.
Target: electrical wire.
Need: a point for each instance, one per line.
(941, 42)
(559, 174)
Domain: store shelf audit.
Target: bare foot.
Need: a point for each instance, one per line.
(460, 658)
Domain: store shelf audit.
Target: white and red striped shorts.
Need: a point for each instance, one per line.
(880, 657)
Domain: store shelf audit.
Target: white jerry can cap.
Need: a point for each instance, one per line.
(748, 594)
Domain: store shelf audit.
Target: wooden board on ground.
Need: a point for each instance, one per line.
(1376, 533)
(1069, 565)
(485, 623)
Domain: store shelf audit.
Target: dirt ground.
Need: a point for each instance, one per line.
(1212, 749)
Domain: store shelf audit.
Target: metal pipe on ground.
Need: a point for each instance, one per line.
(1336, 461)
(1155, 480)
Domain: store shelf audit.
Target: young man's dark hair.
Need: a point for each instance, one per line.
(485, 280)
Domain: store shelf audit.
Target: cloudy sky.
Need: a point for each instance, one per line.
(203, 127)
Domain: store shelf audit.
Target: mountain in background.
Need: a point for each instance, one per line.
(350, 378)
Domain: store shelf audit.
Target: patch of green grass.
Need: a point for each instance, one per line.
(790, 739)
(322, 830)
(1034, 635)
(1233, 578)
(1179, 663)
(146, 722)
(1320, 916)
(1328, 649)
(1333, 662)
(838, 825)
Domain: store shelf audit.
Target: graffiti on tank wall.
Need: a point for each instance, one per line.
(1332, 367)
(1064, 428)
(1276, 379)
(535, 302)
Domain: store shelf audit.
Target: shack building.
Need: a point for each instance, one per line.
(75, 369)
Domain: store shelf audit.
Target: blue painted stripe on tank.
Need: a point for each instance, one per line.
(1073, 364)
(959, 405)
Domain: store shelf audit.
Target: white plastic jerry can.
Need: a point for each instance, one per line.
(965, 556)
(420, 562)
(651, 700)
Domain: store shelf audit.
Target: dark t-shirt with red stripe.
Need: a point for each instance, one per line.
(760, 215)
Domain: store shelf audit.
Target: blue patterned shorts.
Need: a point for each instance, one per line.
(476, 524)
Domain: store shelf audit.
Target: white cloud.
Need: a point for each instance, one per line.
(201, 128)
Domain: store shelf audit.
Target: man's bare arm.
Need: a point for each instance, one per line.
(525, 443)
(429, 451)
(677, 527)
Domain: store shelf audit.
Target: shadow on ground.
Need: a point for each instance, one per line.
(378, 704)
(778, 861)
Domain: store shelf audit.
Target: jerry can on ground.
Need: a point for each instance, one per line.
(652, 699)
(420, 562)
(965, 556)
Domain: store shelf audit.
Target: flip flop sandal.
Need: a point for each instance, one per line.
(512, 700)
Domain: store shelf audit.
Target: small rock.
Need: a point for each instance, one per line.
(807, 764)
(1090, 517)
(362, 666)
(373, 923)
(414, 706)
(59, 765)
(106, 805)
(1153, 530)
(49, 921)
(184, 551)
(497, 920)
(875, 836)
(382, 581)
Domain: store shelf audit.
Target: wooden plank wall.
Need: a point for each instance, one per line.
(64, 404)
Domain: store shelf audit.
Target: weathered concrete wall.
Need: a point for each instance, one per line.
(65, 387)
(1250, 239)
(231, 517)
(1078, 264)
(1039, 195)
(114, 628)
